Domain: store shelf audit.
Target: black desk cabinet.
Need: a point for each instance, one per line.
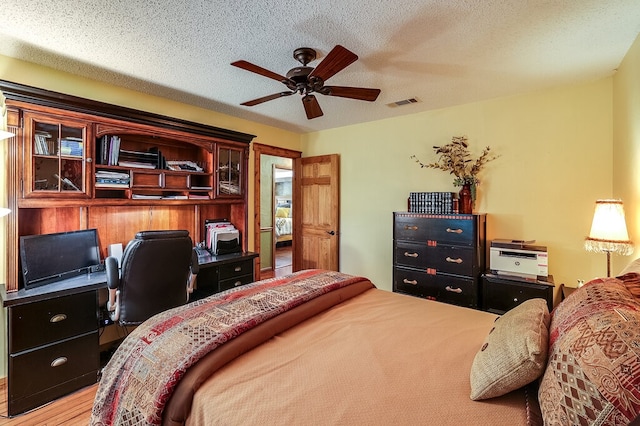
(220, 273)
(53, 349)
(500, 293)
(439, 257)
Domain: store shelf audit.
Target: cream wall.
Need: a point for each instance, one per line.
(556, 160)
(626, 142)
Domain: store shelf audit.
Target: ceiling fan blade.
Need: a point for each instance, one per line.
(338, 59)
(360, 93)
(259, 70)
(311, 107)
(267, 98)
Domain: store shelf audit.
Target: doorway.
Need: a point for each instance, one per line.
(273, 192)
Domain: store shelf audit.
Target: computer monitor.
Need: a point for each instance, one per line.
(47, 258)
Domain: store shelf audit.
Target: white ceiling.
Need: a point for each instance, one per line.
(442, 52)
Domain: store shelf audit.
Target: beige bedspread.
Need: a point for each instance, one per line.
(378, 359)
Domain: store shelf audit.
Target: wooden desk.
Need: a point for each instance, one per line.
(54, 330)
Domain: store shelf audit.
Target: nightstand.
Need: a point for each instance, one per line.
(501, 293)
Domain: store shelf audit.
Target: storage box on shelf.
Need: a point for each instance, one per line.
(439, 257)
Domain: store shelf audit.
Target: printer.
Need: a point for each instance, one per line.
(221, 237)
(519, 258)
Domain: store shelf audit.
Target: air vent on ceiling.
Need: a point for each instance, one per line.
(403, 102)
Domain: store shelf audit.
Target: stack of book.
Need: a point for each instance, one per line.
(432, 202)
(108, 179)
(44, 144)
(71, 146)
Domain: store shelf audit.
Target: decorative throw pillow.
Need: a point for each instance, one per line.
(282, 212)
(631, 281)
(514, 353)
(592, 376)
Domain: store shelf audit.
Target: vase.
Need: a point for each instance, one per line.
(465, 205)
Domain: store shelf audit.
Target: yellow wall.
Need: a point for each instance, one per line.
(626, 141)
(556, 160)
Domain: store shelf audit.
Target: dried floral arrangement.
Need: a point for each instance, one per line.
(456, 159)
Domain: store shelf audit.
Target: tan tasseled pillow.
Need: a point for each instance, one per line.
(514, 353)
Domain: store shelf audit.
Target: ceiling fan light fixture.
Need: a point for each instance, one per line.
(306, 80)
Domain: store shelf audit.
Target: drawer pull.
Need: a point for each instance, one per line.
(238, 268)
(237, 283)
(412, 282)
(454, 231)
(410, 228)
(452, 260)
(58, 318)
(407, 254)
(453, 290)
(59, 361)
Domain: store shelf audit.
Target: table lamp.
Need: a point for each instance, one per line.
(609, 231)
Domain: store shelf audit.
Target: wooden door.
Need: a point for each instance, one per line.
(317, 215)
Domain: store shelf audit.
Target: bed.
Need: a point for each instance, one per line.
(321, 347)
(283, 224)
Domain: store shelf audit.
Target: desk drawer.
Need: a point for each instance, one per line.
(237, 269)
(236, 281)
(40, 323)
(37, 370)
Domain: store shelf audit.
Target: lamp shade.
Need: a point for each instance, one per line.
(609, 229)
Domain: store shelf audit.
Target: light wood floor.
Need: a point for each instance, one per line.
(72, 410)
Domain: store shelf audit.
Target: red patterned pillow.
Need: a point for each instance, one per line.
(593, 372)
(631, 281)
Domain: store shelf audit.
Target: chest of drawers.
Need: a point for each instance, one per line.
(439, 257)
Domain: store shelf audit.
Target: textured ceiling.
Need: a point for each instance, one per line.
(441, 52)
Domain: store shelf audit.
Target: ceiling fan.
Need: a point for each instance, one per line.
(308, 80)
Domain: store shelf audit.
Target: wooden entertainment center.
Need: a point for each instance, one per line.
(63, 175)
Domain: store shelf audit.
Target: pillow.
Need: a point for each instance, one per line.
(282, 212)
(631, 281)
(633, 266)
(514, 353)
(594, 347)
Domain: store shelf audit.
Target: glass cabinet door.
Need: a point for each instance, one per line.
(57, 158)
(229, 172)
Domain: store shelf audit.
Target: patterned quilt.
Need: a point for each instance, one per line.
(139, 379)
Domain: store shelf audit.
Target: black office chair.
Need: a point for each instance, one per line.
(156, 273)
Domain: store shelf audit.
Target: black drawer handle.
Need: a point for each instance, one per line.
(454, 231)
(407, 254)
(59, 361)
(410, 228)
(58, 318)
(452, 260)
(412, 282)
(237, 283)
(238, 268)
(453, 290)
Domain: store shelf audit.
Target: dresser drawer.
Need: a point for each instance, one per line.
(443, 288)
(39, 323)
(457, 290)
(414, 282)
(237, 269)
(34, 371)
(235, 282)
(437, 258)
(443, 229)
